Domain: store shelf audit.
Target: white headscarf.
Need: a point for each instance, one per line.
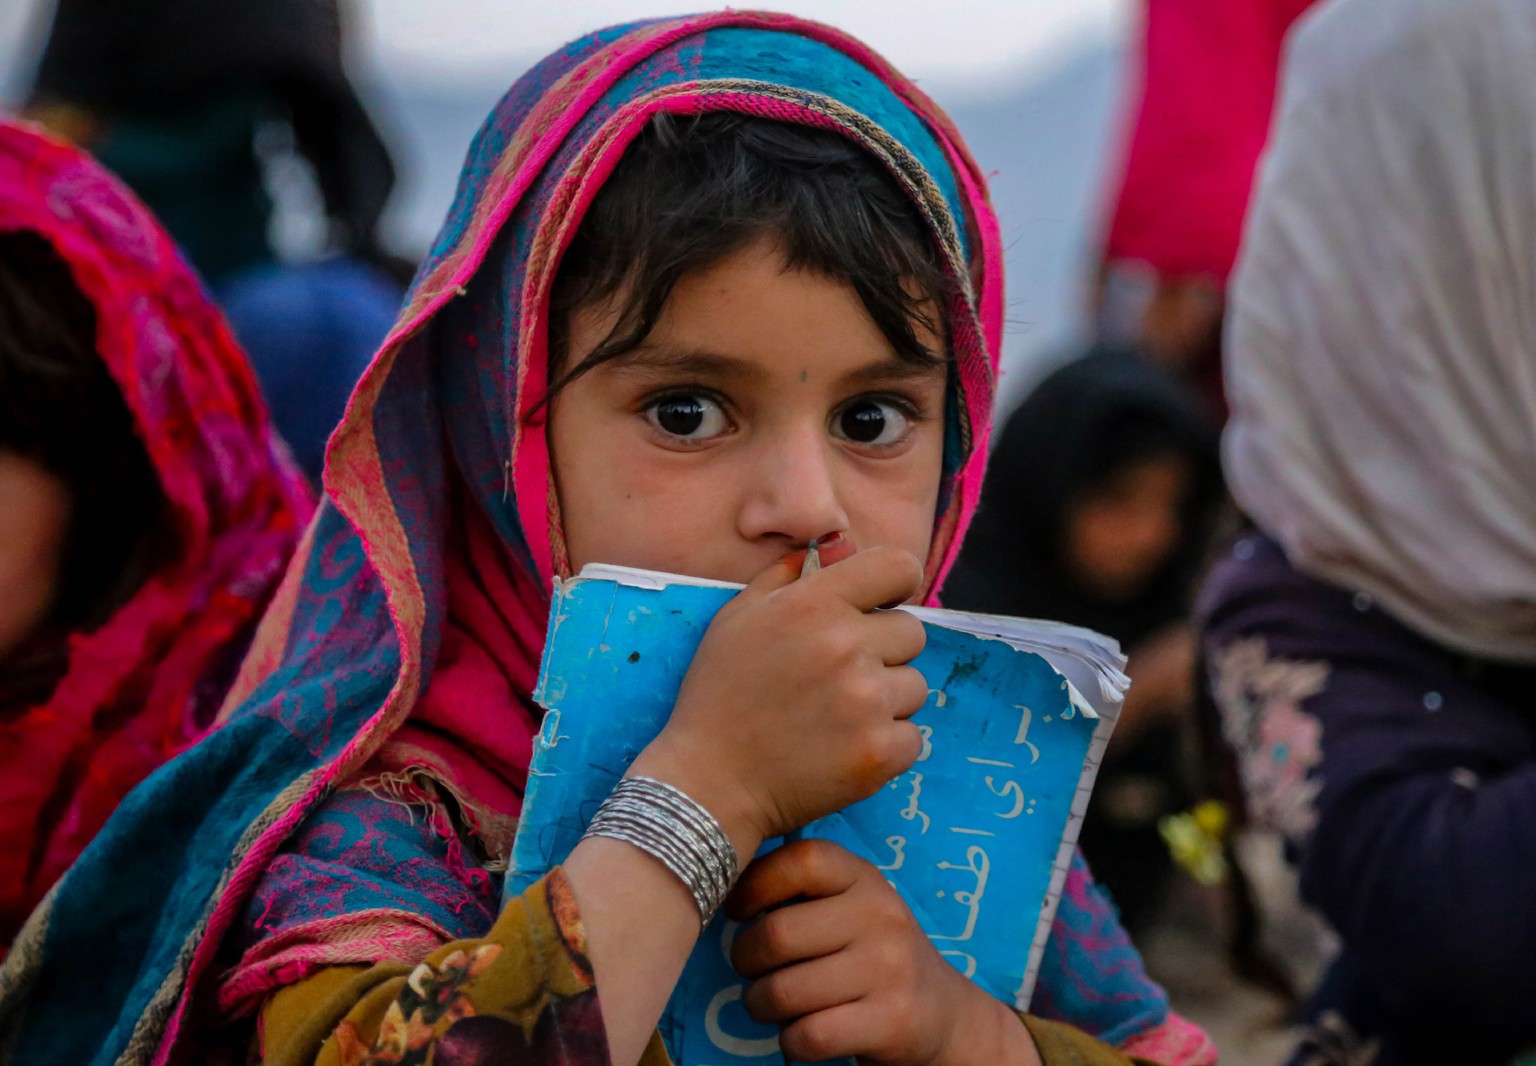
(1382, 342)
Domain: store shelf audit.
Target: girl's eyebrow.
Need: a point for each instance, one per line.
(699, 362)
(892, 371)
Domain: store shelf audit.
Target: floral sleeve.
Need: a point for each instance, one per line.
(524, 993)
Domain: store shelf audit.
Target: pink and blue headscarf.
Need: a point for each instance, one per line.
(402, 647)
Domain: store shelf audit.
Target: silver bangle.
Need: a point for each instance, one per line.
(667, 824)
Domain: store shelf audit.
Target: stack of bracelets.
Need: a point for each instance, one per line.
(666, 823)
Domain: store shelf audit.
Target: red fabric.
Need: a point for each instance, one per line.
(137, 689)
(475, 721)
(1207, 93)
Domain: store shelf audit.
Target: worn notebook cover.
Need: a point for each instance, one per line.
(977, 837)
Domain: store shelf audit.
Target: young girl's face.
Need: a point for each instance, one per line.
(34, 524)
(1121, 533)
(765, 410)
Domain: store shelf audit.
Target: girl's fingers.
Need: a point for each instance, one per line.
(908, 691)
(801, 869)
(896, 636)
(846, 1030)
(781, 573)
(791, 934)
(818, 985)
(875, 578)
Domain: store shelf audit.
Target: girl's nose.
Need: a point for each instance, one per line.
(793, 492)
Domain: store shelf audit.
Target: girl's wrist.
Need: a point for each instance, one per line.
(717, 792)
(666, 823)
(992, 1033)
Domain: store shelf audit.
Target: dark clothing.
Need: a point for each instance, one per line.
(164, 76)
(1404, 779)
(197, 169)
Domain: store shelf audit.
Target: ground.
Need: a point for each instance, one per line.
(1186, 952)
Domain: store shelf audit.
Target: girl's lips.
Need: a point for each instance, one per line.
(835, 548)
(829, 550)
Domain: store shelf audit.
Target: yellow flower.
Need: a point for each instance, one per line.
(1194, 839)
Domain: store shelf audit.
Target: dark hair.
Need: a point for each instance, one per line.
(690, 190)
(1138, 435)
(61, 408)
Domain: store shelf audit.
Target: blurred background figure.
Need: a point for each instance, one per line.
(1372, 641)
(1097, 511)
(148, 510)
(1203, 97)
(205, 108)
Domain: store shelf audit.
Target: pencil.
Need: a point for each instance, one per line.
(812, 560)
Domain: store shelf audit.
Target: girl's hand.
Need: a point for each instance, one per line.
(796, 704)
(843, 966)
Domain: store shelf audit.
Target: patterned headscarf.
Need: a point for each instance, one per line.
(404, 640)
(138, 688)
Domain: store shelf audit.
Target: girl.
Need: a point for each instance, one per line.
(1372, 643)
(713, 288)
(1097, 511)
(148, 508)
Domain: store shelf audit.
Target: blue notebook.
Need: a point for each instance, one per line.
(976, 837)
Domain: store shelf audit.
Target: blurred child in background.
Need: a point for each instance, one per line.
(1203, 97)
(149, 511)
(1097, 510)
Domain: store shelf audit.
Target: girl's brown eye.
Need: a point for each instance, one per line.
(871, 422)
(688, 417)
